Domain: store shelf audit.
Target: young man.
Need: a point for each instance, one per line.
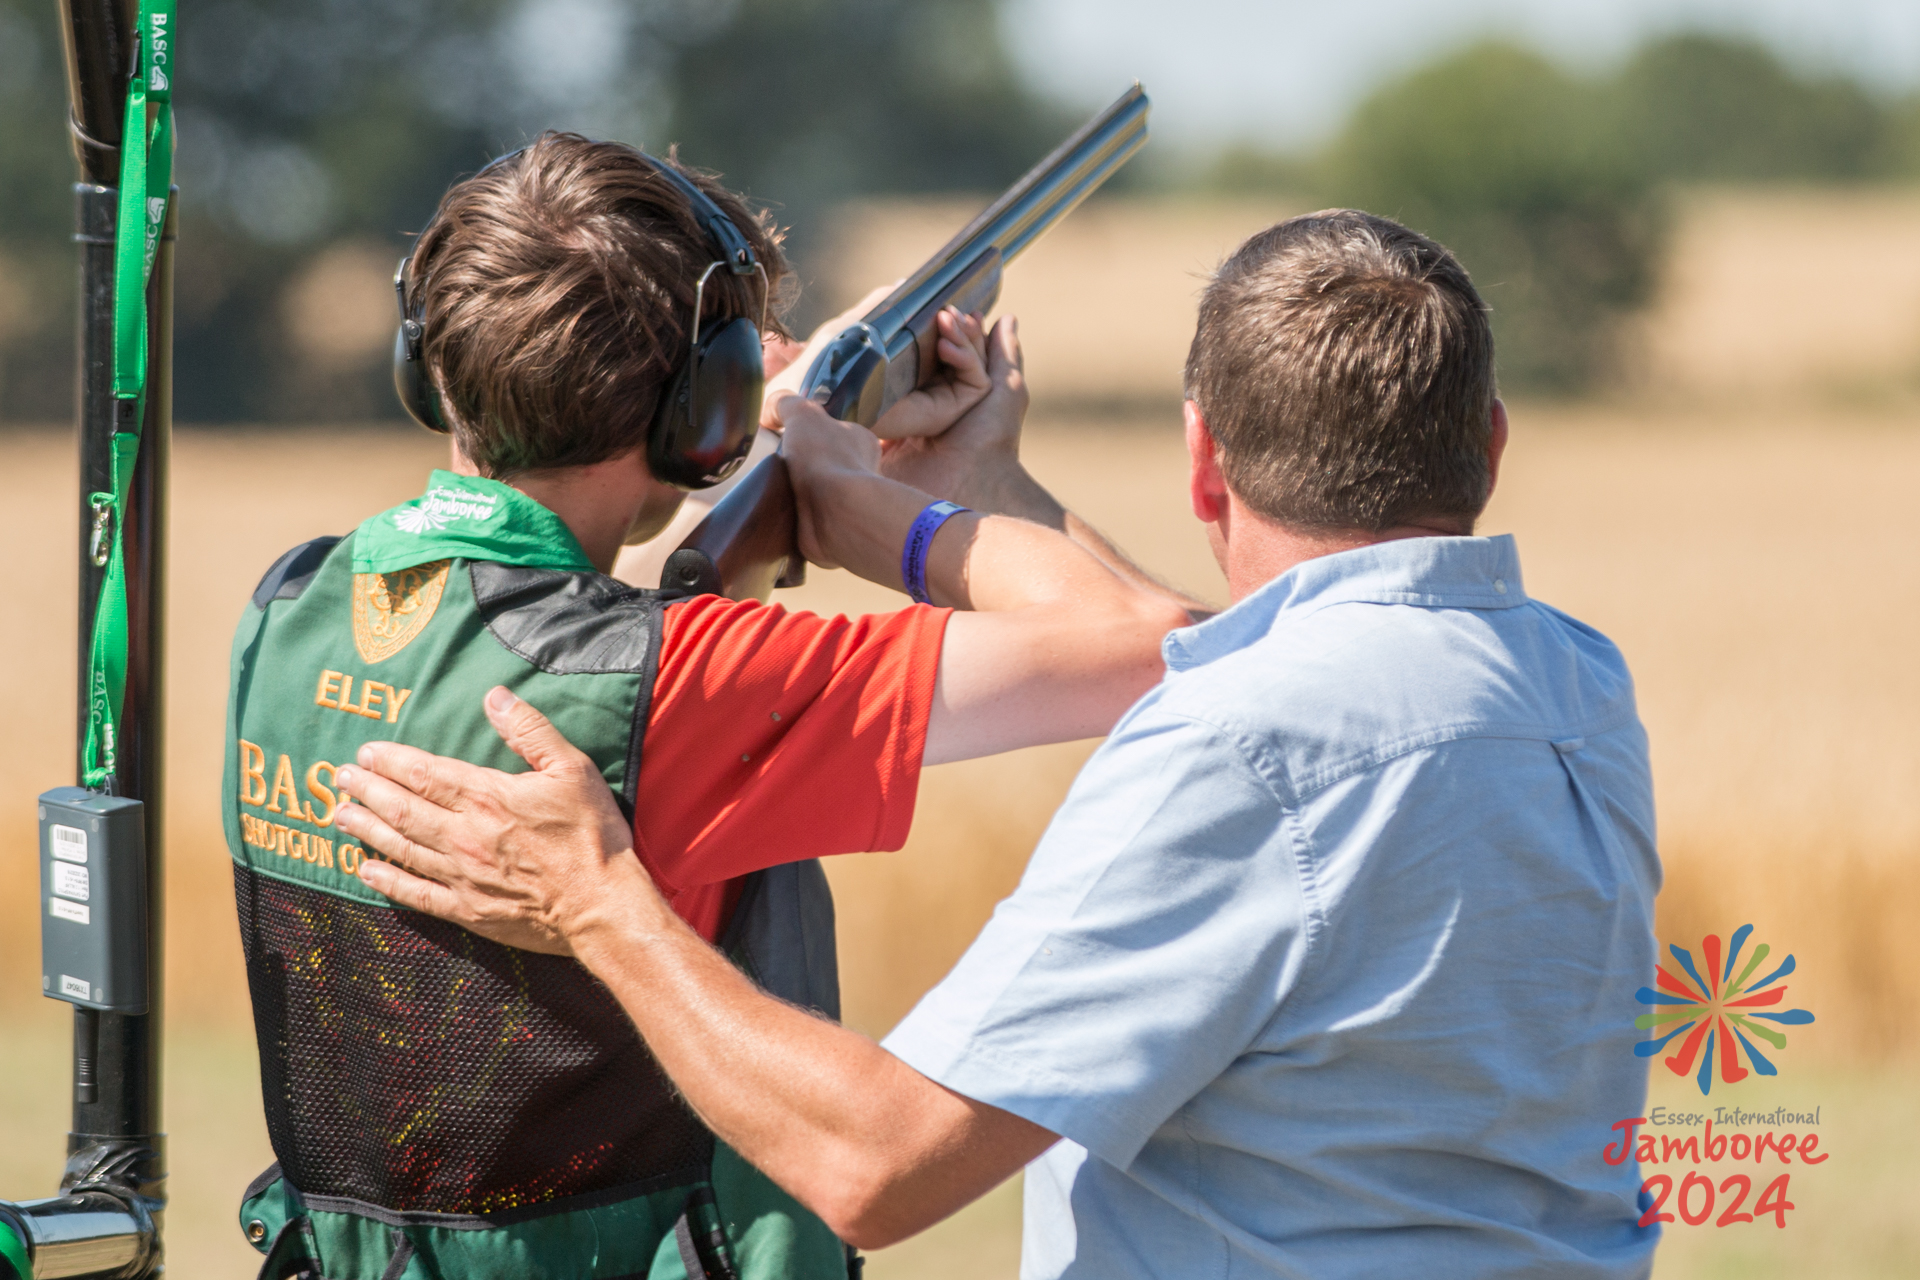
(444, 1105)
(1325, 968)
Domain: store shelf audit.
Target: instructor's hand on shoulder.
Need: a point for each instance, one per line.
(532, 860)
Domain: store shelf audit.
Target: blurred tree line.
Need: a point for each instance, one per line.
(313, 138)
(1554, 188)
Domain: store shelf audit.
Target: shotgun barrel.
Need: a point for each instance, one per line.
(890, 350)
(747, 545)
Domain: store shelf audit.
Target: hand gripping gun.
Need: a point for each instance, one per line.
(748, 543)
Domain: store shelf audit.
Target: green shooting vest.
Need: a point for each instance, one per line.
(441, 1105)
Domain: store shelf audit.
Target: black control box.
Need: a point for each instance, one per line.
(93, 900)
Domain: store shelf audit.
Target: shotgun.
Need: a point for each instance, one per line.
(748, 544)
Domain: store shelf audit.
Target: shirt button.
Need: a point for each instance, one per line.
(1500, 585)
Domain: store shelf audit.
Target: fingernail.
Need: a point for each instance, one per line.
(343, 776)
(499, 700)
(365, 754)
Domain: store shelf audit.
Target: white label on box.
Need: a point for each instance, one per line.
(69, 843)
(78, 988)
(77, 912)
(70, 882)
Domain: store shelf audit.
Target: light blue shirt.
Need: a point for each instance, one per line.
(1327, 965)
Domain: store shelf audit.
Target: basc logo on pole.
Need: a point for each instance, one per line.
(1718, 1010)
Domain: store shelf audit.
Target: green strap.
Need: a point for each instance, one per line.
(13, 1251)
(146, 180)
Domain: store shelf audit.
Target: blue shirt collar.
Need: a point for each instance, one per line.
(1434, 573)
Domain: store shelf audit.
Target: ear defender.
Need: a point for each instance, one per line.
(708, 413)
(707, 417)
(410, 380)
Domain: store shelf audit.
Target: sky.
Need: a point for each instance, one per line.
(1285, 72)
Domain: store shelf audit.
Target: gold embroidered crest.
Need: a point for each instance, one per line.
(390, 609)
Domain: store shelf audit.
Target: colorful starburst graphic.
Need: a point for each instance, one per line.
(1718, 1010)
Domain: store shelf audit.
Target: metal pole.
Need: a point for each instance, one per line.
(116, 1105)
(106, 1221)
(98, 35)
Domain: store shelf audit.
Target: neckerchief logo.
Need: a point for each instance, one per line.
(440, 506)
(390, 609)
(466, 518)
(414, 520)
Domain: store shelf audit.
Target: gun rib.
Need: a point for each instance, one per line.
(1047, 193)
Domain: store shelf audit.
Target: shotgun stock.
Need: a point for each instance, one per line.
(748, 544)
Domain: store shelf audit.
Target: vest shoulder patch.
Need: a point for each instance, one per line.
(390, 609)
(292, 572)
(568, 623)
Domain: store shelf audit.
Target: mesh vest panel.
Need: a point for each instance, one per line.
(407, 1063)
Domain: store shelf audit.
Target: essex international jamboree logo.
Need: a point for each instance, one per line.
(1718, 1011)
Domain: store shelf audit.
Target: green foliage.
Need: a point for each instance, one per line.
(1550, 186)
(304, 125)
(1900, 144)
(816, 99)
(301, 126)
(1707, 108)
(1242, 168)
(806, 102)
(1517, 167)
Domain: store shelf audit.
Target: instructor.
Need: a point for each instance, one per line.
(1324, 967)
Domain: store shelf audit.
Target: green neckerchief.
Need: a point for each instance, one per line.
(471, 518)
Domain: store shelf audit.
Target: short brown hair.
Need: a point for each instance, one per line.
(1344, 366)
(557, 288)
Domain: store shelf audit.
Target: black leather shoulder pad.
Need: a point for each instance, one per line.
(292, 572)
(568, 623)
(576, 624)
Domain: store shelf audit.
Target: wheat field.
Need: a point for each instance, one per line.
(1757, 568)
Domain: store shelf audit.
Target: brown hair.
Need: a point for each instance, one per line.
(1344, 366)
(557, 289)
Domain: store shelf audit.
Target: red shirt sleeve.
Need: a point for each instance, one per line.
(775, 737)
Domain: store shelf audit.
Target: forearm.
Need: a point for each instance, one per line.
(1050, 644)
(546, 858)
(1011, 490)
(878, 1151)
(979, 561)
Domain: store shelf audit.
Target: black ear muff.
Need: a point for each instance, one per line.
(410, 380)
(709, 414)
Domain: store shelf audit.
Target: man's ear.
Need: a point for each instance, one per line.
(1206, 483)
(1496, 443)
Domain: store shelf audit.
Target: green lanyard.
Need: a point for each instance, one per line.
(146, 179)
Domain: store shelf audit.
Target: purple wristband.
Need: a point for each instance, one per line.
(913, 557)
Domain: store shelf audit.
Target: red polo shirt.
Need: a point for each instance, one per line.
(775, 737)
